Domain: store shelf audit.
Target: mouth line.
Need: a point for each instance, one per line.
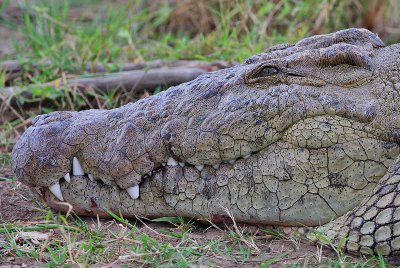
(134, 190)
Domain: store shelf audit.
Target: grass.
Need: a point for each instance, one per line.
(54, 39)
(85, 242)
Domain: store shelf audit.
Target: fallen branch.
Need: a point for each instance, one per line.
(129, 81)
(161, 63)
(15, 100)
(14, 69)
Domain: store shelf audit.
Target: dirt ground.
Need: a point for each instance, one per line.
(15, 201)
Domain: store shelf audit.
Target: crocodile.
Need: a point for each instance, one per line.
(304, 134)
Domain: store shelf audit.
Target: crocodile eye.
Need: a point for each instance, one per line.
(268, 71)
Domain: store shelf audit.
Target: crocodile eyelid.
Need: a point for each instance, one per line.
(344, 54)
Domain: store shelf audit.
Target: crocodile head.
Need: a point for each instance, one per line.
(299, 134)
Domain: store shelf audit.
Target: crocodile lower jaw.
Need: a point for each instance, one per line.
(133, 191)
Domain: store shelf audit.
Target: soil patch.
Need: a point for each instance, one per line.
(16, 201)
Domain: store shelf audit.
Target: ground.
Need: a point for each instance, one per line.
(53, 40)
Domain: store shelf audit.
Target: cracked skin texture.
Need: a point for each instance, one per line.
(303, 134)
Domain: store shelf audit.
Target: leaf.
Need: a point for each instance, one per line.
(168, 219)
(157, 90)
(341, 244)
(7, 179)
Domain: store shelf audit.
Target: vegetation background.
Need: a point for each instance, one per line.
(56, 40)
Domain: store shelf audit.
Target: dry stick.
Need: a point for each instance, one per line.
(162, 63)
(131, 80)
(13, 67)
(250, 243)
(6, 104)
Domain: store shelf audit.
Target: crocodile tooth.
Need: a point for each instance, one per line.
(232, 161)
(91, 177)
(163, 164)
(200, 167)
(77, 169)
(181, 164)
(56, 190)
(246, 156)
(67, 178)
(216, 166)
(172, 162)
(133, 191)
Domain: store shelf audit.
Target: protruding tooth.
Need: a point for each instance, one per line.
(77, 169)
(232, 161)
(172, 162)
(163, 164)
(246, 156)
(67, 178)
(200, 167)
(216, 166)
(181, 164)
(91, 177)
(56, 190)
(133, 191)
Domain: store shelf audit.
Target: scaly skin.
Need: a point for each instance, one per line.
(299, 135)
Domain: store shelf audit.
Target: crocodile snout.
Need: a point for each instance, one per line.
(96, 144)
(40, 150)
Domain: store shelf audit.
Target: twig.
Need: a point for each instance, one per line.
(250, 243)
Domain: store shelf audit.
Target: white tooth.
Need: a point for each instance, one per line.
(181, 164)
(91, 177)
(77, 169)
(56, 190)
(172, 162)
(246, 156)
(67, 178)
(232, 161)
(200, 167)
(133, 191)
(163, 164)
(216, 166)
